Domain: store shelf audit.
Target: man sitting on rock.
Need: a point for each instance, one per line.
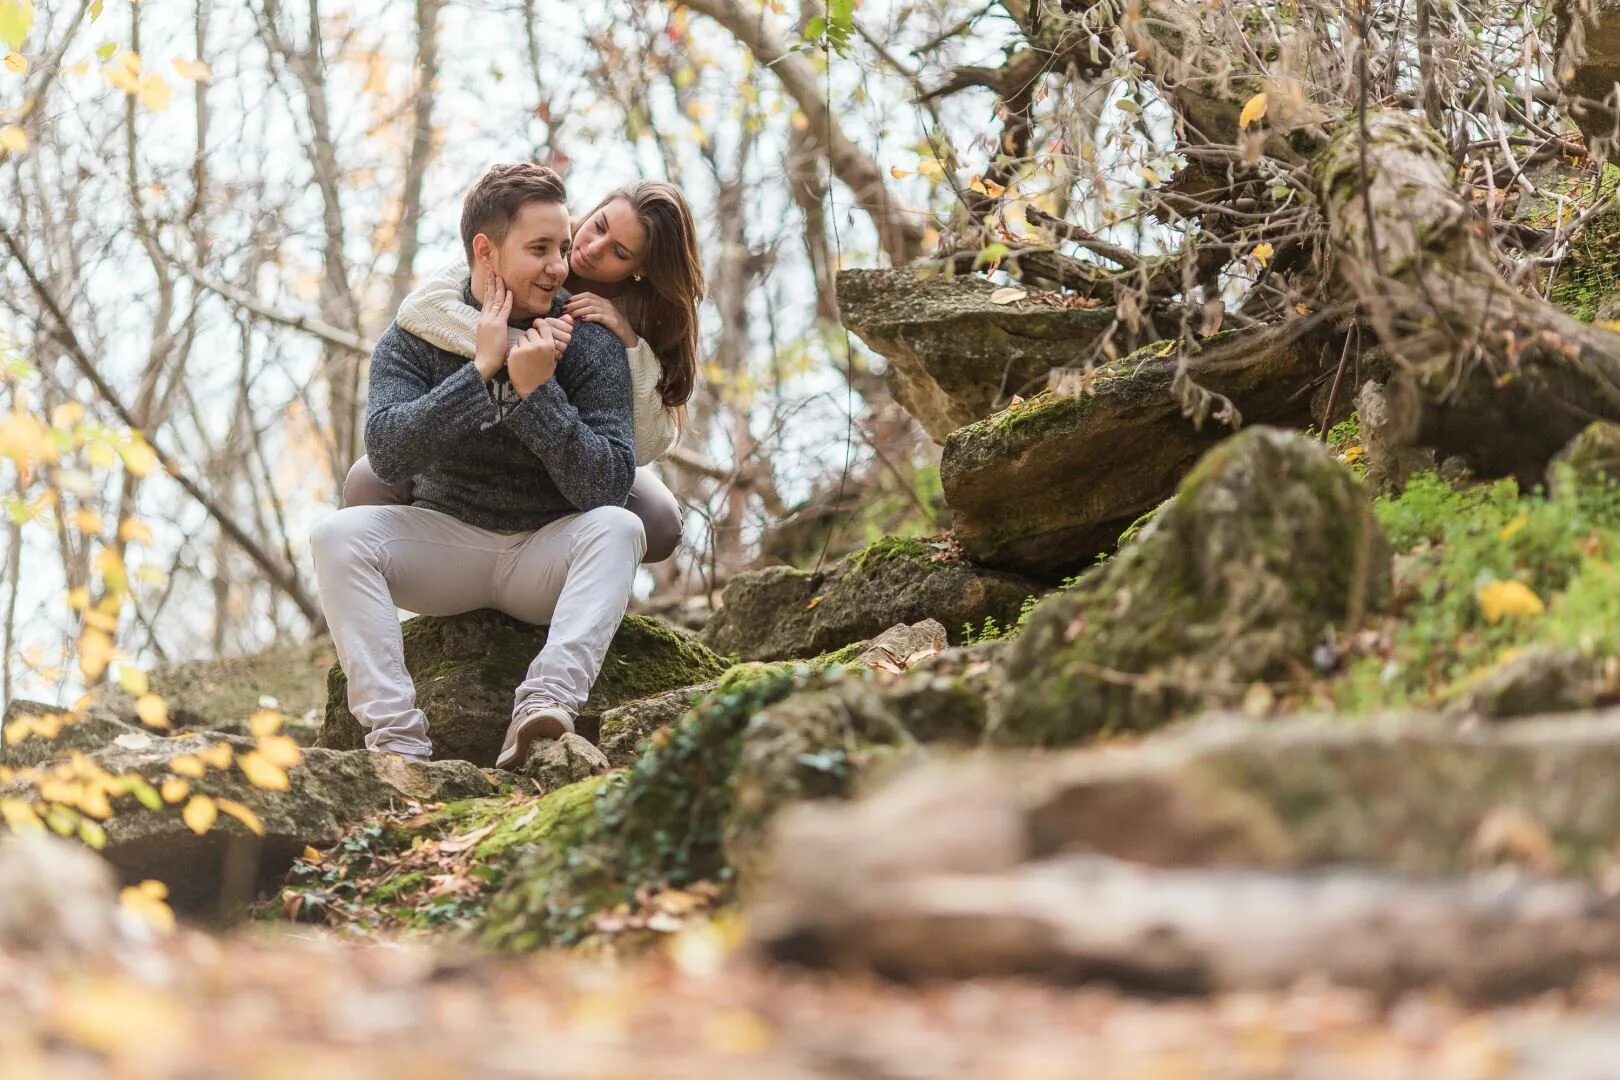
(521, 458)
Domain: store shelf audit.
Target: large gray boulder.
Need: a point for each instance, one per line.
(467, 669)
(1268, 544)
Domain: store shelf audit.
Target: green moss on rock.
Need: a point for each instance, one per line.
(1269, 542)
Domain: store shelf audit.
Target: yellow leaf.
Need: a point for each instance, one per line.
(16, 63)
(244, 815)
(193, 71)
(262, 772)
(122, 78)
(1511, 529)
(174, 789)
(310, 854)
(67, 414)
(14, 139)
(135, 531)
(931, 169)
(898, 173)
(993, 189)
(86, 520)
(1501, 599)
(976, 184)
(154, 93)
(188, 765)
(281, 751)
(737, 1031)
(102, 621)
(1262, 253)
(147, 901)
(110, 564)
(1609, 324)
(1254, 109)
(218, 755)
(20, 816)
(153, 711)
(264, 722)
(139, 458)
(133, 680)
(92, 834)
(95, 653)
(199, 814)
(78, 599)
(100, 453)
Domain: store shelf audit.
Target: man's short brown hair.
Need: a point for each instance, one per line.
(500, 193)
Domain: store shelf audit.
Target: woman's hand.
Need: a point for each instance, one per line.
(588, 307)
(534, 358)
(489, 339)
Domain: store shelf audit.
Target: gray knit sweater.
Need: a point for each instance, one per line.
(478, 453)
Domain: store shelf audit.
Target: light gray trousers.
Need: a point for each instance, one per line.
(574, 574)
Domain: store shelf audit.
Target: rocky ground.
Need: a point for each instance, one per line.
(1278, 753)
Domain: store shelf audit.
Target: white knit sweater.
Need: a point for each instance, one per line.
(437, 312)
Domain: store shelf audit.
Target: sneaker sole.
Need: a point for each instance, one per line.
(541, 726)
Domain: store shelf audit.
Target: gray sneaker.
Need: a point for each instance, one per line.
(529, 723)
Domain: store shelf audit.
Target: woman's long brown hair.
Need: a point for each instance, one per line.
(662, 307)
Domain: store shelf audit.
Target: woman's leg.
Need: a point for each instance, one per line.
(362, 488)
(653, 502)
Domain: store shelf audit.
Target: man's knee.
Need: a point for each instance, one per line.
(340, 535)
(614, 525)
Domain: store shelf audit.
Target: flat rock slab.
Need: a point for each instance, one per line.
(147, 836)
(1044, 486)
(467, 669)
(954, 356)
(781, 613)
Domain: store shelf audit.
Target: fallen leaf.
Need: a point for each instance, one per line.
(455, 844)
(1500, 599)
(188, 765)
(153, 711)
(1253, 109)
(1008, 295)
(1262, 253)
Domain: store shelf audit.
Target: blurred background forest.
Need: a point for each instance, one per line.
(212, 210)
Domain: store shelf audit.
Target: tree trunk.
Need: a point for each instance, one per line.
(1501, 378)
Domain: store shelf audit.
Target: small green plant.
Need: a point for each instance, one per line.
(1460, 549)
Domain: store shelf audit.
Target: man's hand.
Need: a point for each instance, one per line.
(490, 339)
(533, 360)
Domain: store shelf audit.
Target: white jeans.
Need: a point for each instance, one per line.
(574, 573)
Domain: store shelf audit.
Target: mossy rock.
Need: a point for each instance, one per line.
(1044, 486)
(1269, 543)
(467, 669)
(214, 873)
(954, 356)
(220, 695)
(780, 613)
(695, 804)
(1591, 458)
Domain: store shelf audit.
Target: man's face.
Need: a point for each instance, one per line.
(533, 259)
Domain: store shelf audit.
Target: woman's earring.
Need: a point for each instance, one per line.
(636, 276)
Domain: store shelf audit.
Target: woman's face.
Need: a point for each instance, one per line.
(610, 245)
